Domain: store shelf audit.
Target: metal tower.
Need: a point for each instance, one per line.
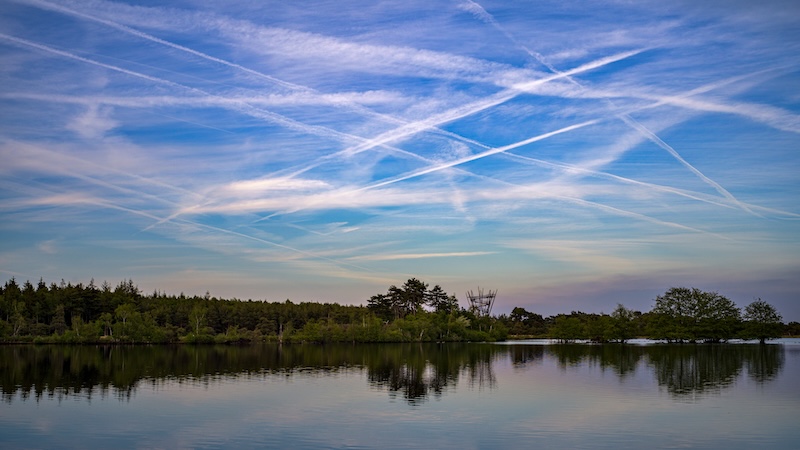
(481, 304)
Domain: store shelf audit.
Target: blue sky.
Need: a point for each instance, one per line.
(571, 155)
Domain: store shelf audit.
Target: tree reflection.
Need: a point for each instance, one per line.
(412, 371)
(619, 358)
(765, 362)
(692, 370)
(522, 355)
(417, 371)
(686, 371)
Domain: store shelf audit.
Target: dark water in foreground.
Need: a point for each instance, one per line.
(519, 395)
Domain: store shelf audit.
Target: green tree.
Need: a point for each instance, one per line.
(381, 305)
(623, 326)
(597, 327)
(106, 320)
(59, 323)
(18, 322)
(124, 313)
(566, 329)
(11, 295)
(438, 299)
(415, 293)
(524, 322)
(197, 317)
(691, 315)
(762, 321)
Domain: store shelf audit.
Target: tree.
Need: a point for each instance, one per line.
(622, 324)
(691, 315)
(11, 295)
(524, 322)
(59, 323)
(414, 295)
(197, 317)
(106, 319)
(762, 321)
(18, 321)
(597, 327)
(400, 302)
(125, 312)
(566, 328)
(792, 328)
(438, 299)
(381, 306)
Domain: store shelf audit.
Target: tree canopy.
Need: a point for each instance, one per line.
(413, 312)
(762, 321)
(691, 315)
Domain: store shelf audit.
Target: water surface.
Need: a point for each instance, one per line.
(517, 395)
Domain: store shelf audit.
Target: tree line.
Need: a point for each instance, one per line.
(413, 312)
(680, 315)
(78, 313)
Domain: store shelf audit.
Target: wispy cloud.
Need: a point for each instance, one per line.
(394, 257)
(647, 133)
(317, 149)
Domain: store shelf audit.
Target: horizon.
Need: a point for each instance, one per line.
(571, 155)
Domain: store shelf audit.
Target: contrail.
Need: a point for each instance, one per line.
(107, 204)
(126, 29)
(243, 107)
(481, 13)
(453, 163)
(713, 200)
(48, 155)
(143, 35)
(491, 151)
(238, 105)
(658, 141)
(86, 60)
(350, 104)
(477, 156)
(647, 133)
(274, 244)
(410, 129)
(469, 109)
(80, 199)
(387, 137)
(595, 173)
(635, 215)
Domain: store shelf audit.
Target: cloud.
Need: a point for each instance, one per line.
(394, 257)
(245, 187)
(48, 247)
(349, 147)
(96, 122)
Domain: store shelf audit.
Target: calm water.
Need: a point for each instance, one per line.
(519, 395)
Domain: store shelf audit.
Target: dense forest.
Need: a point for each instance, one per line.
(413, 312)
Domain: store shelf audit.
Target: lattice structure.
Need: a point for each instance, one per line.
(481, 304)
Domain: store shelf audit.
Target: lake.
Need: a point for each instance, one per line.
(523, 394)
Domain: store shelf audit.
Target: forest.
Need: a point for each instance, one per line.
(413, 312)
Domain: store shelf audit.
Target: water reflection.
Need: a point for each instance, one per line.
(685, 371)
(691, 371)
(416, 371)
(621, 359)
(412, 372)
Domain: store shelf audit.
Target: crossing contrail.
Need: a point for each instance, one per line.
(484, 15)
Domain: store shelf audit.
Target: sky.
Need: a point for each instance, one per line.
(570, 155)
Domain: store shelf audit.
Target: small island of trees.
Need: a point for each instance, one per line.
(413, 312)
